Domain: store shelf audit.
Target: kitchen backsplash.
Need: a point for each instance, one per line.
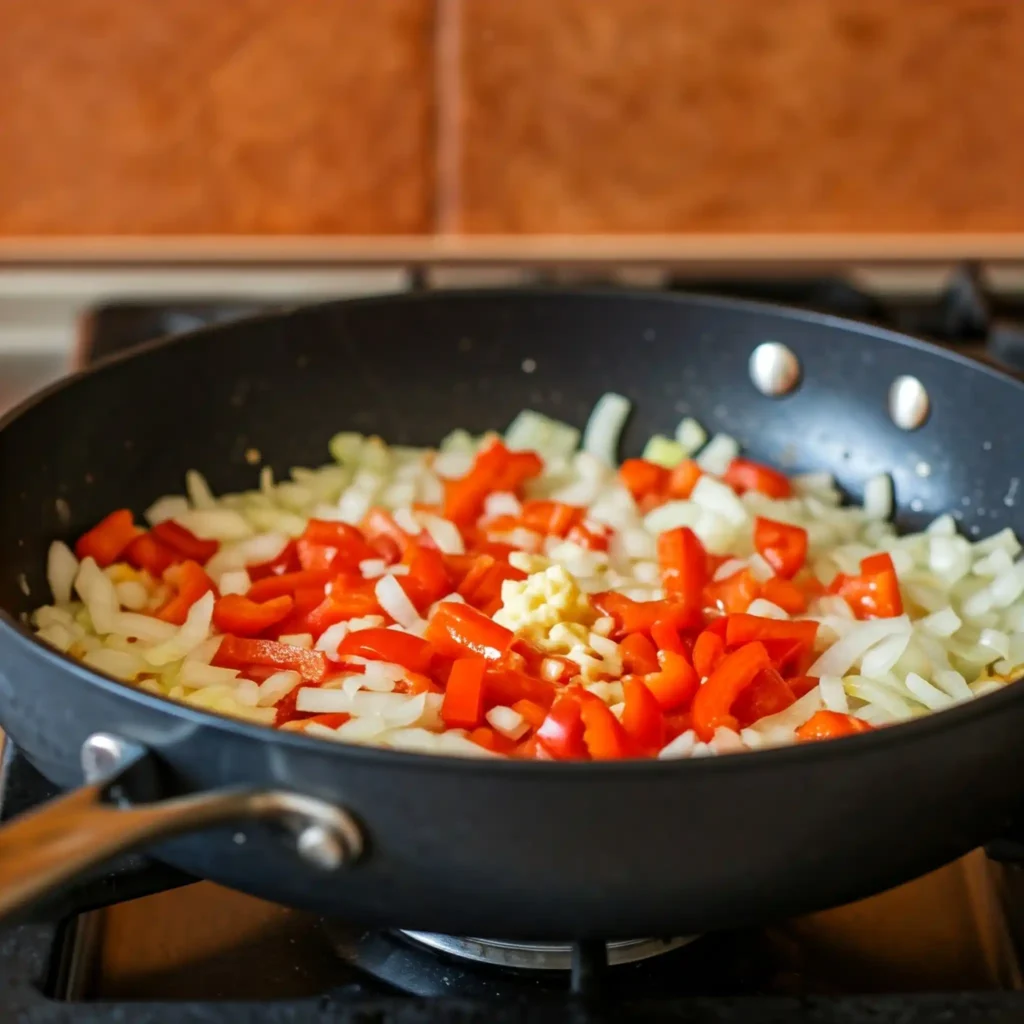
(405, 117)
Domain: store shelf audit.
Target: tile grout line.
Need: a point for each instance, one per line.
(447, 139)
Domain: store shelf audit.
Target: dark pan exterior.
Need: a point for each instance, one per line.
(517, 849)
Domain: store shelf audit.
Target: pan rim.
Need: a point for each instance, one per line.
(772, 758)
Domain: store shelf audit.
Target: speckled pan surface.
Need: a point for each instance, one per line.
(516, 849)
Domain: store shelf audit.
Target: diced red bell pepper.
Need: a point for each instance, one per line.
(676, 723)
(531, 749)
(642, 716)
(146, 552)
(708, 651)
(683, 478)
(642, 478)
(733, 594)
(509, 686)
(391, 645)
(666, 638)
(603, 734)
(786, 594)
(494, 469)
(108, 539)
(675, 684)
(463, 705)
(330, 719)
(185, 542)
(190, 583)
(481, 586)
(416, 682)
(746, 475)
(767, 695)
(561, 732)
(289, 582)
(552, 518)
(742, 629)
(350, 598)
(783, 547)
(384, 535)
(683, 563)
(639, 655)
(533, 713)
(712, 706)
(241, 652)
(829, 725)
(456, 630)
(593, 536)
(287, 561)
(327, 544)
(801, 685)
(638, 616)
(304, 601)
(875, 593)
(236, 614)
(489, 739)
(427, 579)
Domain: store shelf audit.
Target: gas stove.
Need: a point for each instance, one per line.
(142, 942)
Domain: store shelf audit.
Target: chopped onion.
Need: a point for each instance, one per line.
(601, 434)
(331, 637)
(395, 602)
(681, 746)
(196, 675)
(996, 641)
(234, 582)
(275, 686)
(131, 594)
(195, 630)
(690, 435)
(507, 722)
(444, 533)
(884, 655)
(304, 640)
(943, 623)
(841, 657)
(718, 453)
(142, 627)
(532, 431)
(199, 493)
(169, 507)
(119, 664)
(878, 497)
(97, 592)
(216, 524)
(928, 695)
(833, 695)
(61, 570)
(714, 496)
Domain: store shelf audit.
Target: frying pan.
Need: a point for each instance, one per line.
(496, 848)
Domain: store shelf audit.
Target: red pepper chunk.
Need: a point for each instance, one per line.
(427, 579)
(463, 704)
(742, 629)
(288, 583)
(782, 546)
(683, 563)
(281, 564)
(146, 552)
(639, 655)
(107, 540)
(456, 630)
(350, 598)
(241, 652)
(675, 684)
(830, 725)
(638, 616)
(767, 695)
(236, 614)
(494, 469)
(786, 594)
(185, 542)
(390, 645)
(553, 518)
(642, 716)
(328, 544)
(875, 593)
(190, 583)
(712, 706)
(746, 475)
(683, 478)
(509, 686)
(733, 594)
(603, 734)
(666, 638)
(708, 651)
(561, 732)
(642, 478)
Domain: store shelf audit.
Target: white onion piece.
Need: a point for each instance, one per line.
(119, 664)
(766, 610)
(781, 727)
(275, 686)
(234, 582)
(223, 524)
(61, 570)
(884, 655)
(714, 496)
(718, 453)
(601, 434)
(198, 490)
(303, 640)
(875, 693)
(952, 683)
(943, 623)
(507, 722)
(841, 657)
(681, 746)
(97, 592)
(361, 730)
(195, 630)
(690, 435)
(196, 675)
(995, 641)
(878, 497)
(131, 594)
(331, 637)
(142, 627)
(169, 507)
(930, 696)
(444, 533)
(394, 600)
(726, 741)
(833, 695)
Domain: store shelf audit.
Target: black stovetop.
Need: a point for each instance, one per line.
(754, 976)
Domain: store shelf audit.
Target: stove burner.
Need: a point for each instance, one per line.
(543, 956)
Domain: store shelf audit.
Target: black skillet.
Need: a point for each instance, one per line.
(506, 849)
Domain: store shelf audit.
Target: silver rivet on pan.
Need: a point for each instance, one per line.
(774, 369)
(320, 846)
(908, 402)
(102, 755)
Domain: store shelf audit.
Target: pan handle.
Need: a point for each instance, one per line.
(75, 833)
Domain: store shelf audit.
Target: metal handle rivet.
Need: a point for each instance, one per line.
(774, 369)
